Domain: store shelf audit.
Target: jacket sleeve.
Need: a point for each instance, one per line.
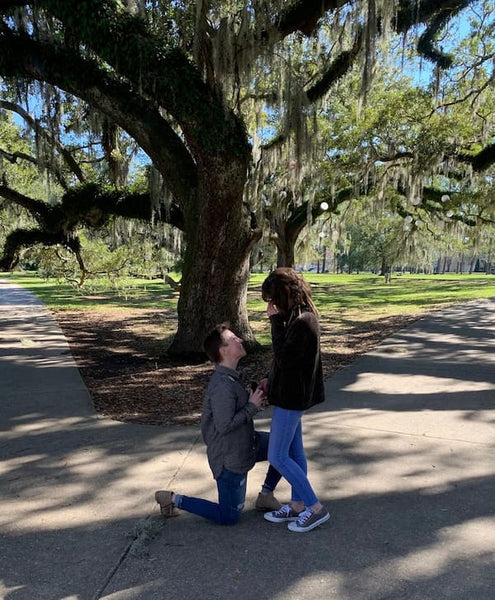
(226, 415)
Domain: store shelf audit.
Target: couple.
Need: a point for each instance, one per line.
(295, 384)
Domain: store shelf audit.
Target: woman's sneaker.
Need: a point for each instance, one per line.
(309, 519)
(282, 515)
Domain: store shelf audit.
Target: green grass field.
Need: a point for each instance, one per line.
(404, 294)
(359, 296)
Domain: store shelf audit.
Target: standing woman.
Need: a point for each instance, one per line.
(295, 384)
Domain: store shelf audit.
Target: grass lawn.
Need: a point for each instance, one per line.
(358, 296)
(344, 299)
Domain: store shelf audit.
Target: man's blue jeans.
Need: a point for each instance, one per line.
(231, 491)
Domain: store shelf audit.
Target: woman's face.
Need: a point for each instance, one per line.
(284, 305)
(290, 305)
(278, 294)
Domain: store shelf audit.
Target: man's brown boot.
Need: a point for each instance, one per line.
(267, 502)
(164, 499)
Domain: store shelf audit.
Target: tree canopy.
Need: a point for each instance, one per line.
(222, 97)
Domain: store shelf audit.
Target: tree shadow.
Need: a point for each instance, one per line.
(412, 515)
(75, 492)
(444, 362)
(74, 486)
(427, 541)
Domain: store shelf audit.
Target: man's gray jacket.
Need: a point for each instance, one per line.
(227, 423)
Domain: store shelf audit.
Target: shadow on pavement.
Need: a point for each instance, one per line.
(401, 452)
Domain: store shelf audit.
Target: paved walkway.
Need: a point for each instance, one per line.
(402, 453)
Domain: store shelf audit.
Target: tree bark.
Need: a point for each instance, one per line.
(216, 265)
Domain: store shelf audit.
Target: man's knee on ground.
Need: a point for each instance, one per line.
(232, 515)
(230, 519)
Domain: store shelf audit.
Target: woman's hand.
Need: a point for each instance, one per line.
(271, 309)
(256, 397)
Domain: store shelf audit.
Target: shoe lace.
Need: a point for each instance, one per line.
(304, 516)
(284, 511)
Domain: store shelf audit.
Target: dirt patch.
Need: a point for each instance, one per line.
(121, 355)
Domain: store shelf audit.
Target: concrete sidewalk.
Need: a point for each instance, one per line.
(402, 453)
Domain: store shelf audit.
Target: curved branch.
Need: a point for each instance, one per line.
(14, 156)
(481, 161)
(426, 43)
(33, 124)
(21, 56)
(23, 238)
(411, 12)
(36, 207)
(304, 15)
(86, 205)
(433, 13)
(393, 157)
(151, 64)
(339, 67)
(90, 205)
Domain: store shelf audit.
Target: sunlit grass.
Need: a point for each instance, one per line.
(131, 293)
(339, 298)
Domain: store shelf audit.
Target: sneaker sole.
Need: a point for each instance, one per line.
(295, 528)
(169, 512)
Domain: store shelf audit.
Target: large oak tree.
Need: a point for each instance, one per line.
(176, 76)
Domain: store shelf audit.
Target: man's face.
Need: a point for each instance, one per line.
(232, 348)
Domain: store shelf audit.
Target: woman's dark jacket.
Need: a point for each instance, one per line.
(296, 377)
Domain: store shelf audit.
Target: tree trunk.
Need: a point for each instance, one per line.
(286, 243)
(216, 266)
(285, 254)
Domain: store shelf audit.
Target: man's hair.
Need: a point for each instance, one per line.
(214, 342)
(284, 287)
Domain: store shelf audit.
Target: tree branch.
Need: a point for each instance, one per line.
(36, 207)
(90, 205)
(303, 16)
(433, 13)
(22, 238)
(13, 157)
(153, 65)
(33, 124)
(481, 161)
(338, 68)
(21, 56)
(85, 205)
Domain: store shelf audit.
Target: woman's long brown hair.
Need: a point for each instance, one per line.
(287, 289)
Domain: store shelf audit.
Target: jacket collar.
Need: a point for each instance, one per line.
(227, 371)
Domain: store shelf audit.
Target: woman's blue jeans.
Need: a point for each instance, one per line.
(231, 491)
(286, 453)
